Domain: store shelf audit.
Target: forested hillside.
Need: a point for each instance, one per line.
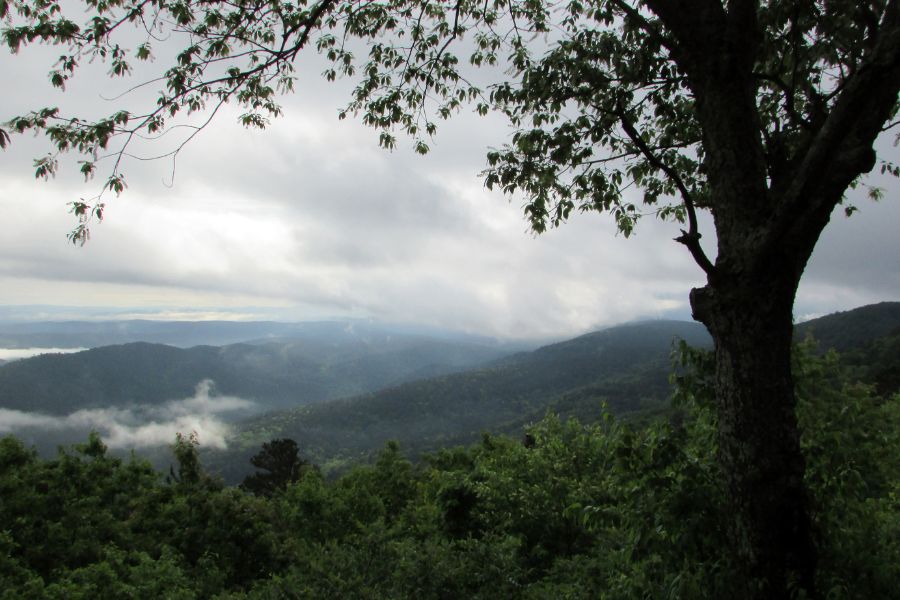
(286, 372)
(619, 507)
(362, 371)
(609, 510)
(850, 329)
(625, 367)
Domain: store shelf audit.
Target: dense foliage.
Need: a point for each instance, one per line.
(606, 510)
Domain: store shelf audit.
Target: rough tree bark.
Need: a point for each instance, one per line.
(768, 218)
(759, 444)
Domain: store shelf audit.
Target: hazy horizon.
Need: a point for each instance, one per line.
(24, 315)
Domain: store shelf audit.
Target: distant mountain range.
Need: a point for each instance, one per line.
(342, 389)
(625, 367)
(185, 334)
(323, 364)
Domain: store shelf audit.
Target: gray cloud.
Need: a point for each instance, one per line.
(310, 218)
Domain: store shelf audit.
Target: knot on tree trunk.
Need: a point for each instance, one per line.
(702, 303)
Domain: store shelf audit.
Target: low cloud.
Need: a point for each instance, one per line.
(141, 426)
(19, 353)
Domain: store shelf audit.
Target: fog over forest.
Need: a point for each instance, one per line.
(140, 427)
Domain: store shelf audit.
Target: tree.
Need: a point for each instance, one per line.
(186, 452)
(760, 113)
(281, 464)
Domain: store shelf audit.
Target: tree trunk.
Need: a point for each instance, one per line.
(759, 442)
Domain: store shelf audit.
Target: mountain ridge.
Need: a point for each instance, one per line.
(624, 366)
(274, 375)
(349, 394)
(628, 373)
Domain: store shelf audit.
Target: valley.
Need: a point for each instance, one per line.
(342, 390)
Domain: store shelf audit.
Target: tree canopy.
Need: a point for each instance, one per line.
(605, 96)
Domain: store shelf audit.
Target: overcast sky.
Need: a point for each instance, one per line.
(311, 220)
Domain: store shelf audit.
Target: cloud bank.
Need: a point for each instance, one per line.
(141, 426)
(311, 220)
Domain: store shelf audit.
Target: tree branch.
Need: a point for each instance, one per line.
(691, 237)
(842, 149)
